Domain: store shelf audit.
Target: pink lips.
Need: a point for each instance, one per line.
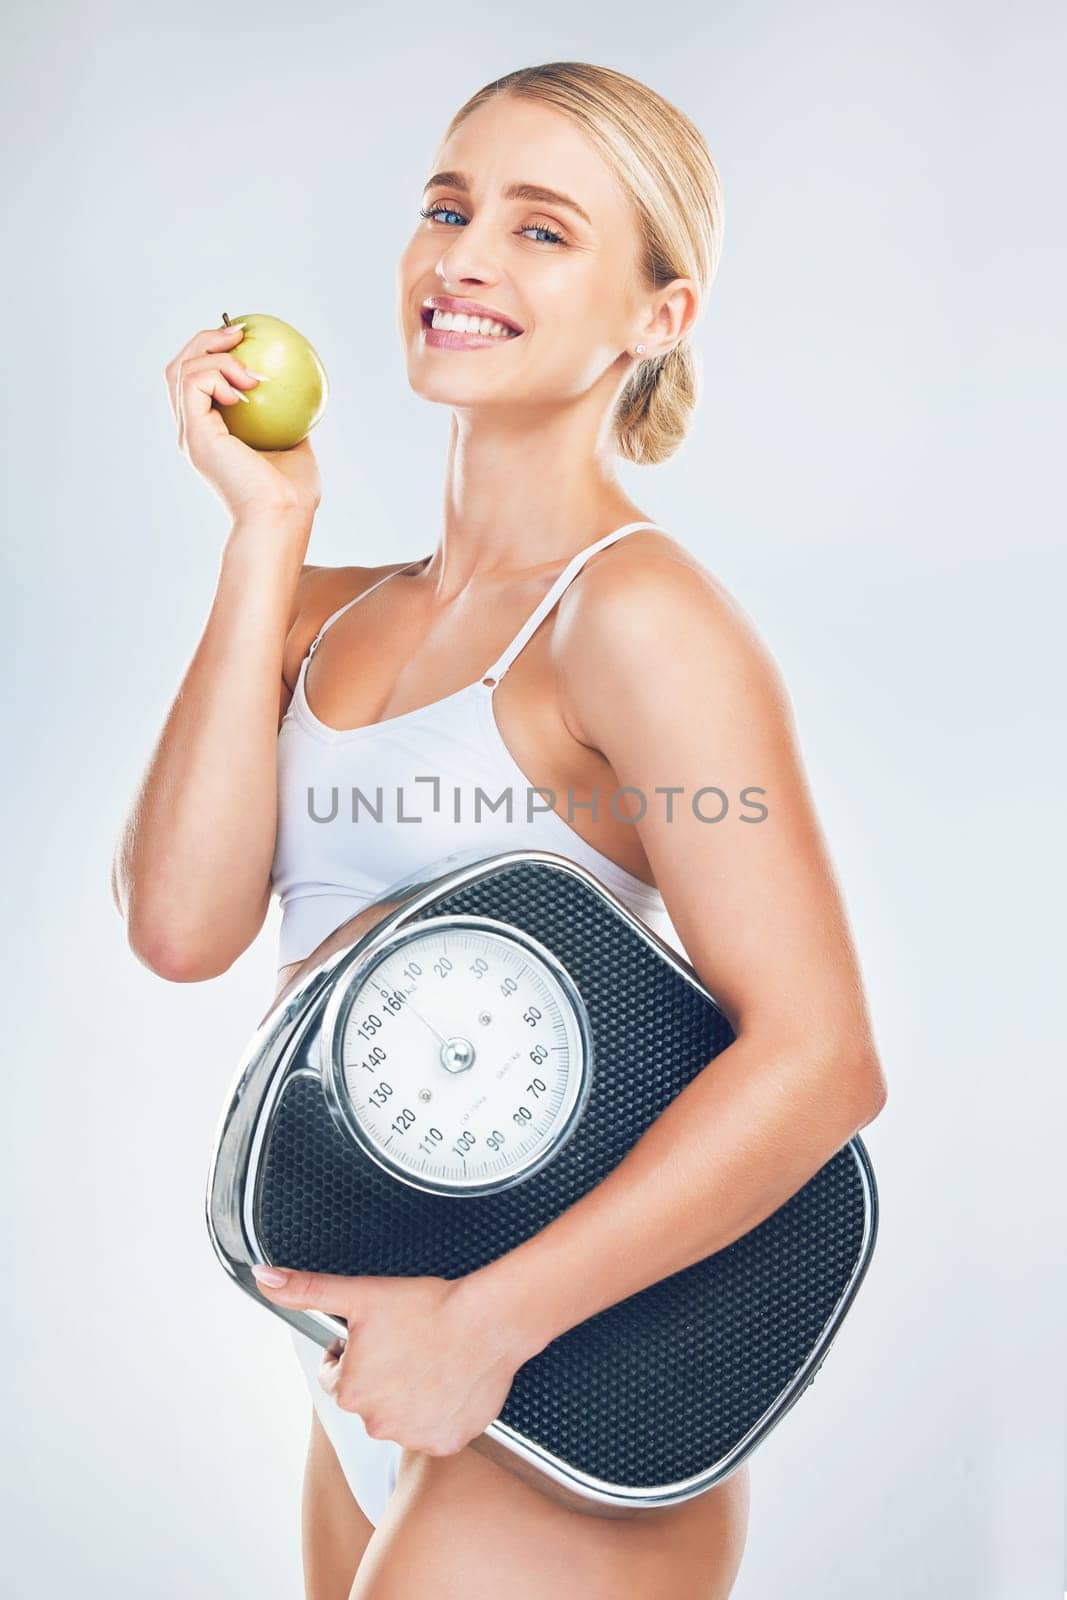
(473, 308)
(449, 339)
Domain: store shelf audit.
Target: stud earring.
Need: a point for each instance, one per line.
(640, 350)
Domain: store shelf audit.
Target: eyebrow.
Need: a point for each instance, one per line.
(514, 191)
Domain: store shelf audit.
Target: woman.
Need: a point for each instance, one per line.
(555, 637)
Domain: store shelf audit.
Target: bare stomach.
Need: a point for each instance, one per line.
(347, 933)
(284, 974)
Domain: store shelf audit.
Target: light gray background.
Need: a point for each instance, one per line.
(870, 473)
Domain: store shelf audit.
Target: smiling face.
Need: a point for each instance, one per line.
(570, 282)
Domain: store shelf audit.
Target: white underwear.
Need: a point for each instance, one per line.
(369, 1465)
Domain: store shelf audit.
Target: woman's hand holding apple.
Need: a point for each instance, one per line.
(249, 482)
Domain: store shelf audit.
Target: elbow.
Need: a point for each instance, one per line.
(175, 963)
(163, 952)
(178, 966)
(863, 1071)
(874, 1107)
(171, 943)
(842, 1077)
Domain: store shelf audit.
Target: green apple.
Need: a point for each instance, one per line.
(284, 409)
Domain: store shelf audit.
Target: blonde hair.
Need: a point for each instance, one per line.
(660, 160)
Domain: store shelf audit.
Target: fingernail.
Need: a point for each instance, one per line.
(270, 1275)
(264, 376)
(241, 396)
(229, 327)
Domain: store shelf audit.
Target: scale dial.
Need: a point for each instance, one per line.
(459, 1055)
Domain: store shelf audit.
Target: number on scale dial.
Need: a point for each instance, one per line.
(461, 1056)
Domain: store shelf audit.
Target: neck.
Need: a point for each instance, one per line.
(523, 493)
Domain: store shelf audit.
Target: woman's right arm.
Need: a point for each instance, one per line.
(191, 869)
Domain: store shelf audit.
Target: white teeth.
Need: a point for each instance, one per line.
(460, 322)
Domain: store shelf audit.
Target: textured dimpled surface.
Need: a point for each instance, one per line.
(661, 1386)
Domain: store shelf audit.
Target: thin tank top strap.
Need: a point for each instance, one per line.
(332, 618)
(533, 621)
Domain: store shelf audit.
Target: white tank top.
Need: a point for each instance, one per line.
(360, 809)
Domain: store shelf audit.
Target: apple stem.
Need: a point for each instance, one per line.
(225, 319)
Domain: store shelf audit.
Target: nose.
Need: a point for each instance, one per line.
(467, 258)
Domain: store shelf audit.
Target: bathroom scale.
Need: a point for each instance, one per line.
(460, 1062)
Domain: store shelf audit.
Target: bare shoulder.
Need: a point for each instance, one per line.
(319, 592)
(647, 605)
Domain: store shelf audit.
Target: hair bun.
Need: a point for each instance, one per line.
(654, 410)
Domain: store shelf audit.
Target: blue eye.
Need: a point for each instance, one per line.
(553, 238)
(436, 211)
(432, 213)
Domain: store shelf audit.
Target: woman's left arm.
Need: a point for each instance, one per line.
(668, 677)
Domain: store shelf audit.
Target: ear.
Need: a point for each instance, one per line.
(672, 313)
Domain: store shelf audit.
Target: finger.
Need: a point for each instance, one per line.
(201, 383)
(226, 395)
(207, 370)
(206, 341)
(196, 392)
(330, 1369)
(221, 361)
(309, 1291)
